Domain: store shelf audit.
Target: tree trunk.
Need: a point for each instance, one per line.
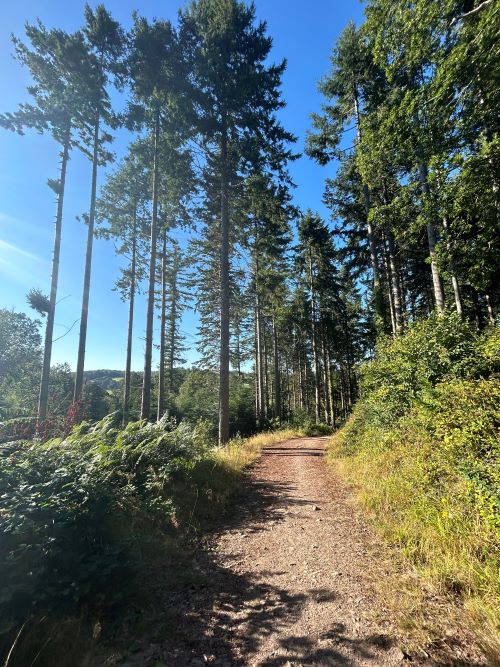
(330, 389)
(326, 391)
(395, 283)
(277, 379)
(163, 314)
(431, 237)
(224, 298)
(128, 363)
(451, 269)
(82, 342)
(372, 245)
(317, 389)
(49, 330)
(148, 346)
(173, 320)
(489, 308)
(388, 278)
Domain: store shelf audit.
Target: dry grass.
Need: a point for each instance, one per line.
(242, 452)
(440, 584)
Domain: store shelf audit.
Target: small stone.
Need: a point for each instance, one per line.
(397, 653)
(316, 508)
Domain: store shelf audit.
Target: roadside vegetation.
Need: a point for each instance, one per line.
(98, 523)
(422, 450)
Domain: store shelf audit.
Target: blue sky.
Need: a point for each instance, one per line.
(303, 33)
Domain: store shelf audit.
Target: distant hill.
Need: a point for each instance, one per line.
(105, 378)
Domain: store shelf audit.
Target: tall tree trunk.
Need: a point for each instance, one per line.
(82, 342)
(330, 388)
(317, 389)
(326, 391)
(489, 308)
(451, 269)
(395, 283)
(130, 329)
(148, 346)
(49, 330)
(378, 296)
(431, 238)
(224, 297)
(173, 320)
(163, 315)
(388, 278)
(265, 367)
(277, 379)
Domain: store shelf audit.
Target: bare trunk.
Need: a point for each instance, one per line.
(224, 298)
(277, 379)
(173, 320)
(395, 284)
(326, 391)
(330, 389)
(163, 315)
(128, 362)
(372, 245)
(82, 343)
(431, 237)
(317, 389)
(49, 330)
(389, 289)
(489, 308)
(148, 347)
(451, 269)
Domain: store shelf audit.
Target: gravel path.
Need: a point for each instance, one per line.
(285, 585)
(284, 581)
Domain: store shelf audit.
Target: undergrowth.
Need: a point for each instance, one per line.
(94, 525)
(423, 451)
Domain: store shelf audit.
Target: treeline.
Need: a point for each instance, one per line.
(201, 102)
(411, 116)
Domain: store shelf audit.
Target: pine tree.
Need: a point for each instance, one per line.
(104, 40)
(237, 96)
(53, 58)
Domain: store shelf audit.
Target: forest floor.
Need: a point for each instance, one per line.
(286, 580)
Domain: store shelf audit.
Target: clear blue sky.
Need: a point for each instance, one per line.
(303, 32)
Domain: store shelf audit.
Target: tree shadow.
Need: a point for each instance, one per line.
(222, 618)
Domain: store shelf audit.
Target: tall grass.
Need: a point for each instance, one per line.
(426, 465)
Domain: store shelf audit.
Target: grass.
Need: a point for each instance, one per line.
(242, 452)
(440, 519)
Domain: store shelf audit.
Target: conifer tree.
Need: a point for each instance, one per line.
(104, 41)
(157, 77)
(237, 96)
(54, 59)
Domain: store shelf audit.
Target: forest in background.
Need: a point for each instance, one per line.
(392, 305)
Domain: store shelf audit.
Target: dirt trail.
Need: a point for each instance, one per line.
(283, 583)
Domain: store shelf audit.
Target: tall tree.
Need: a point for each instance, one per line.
(104, 40)
(53, 58)
(157, 75)
(237, 96)
(123, 206)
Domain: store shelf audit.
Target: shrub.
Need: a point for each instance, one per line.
(81, 515)
(422, 448)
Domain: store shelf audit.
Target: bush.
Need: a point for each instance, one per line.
(81, 515)
(423, 449)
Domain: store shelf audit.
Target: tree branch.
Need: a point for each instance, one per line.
(461, 17)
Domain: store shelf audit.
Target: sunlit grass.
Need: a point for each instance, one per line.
(242, 452)
(439, 524)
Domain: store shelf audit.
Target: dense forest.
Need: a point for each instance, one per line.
(389, 309)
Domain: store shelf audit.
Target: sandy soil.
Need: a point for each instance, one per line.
(283, 582)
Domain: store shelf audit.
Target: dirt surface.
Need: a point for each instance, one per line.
(283, 582)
